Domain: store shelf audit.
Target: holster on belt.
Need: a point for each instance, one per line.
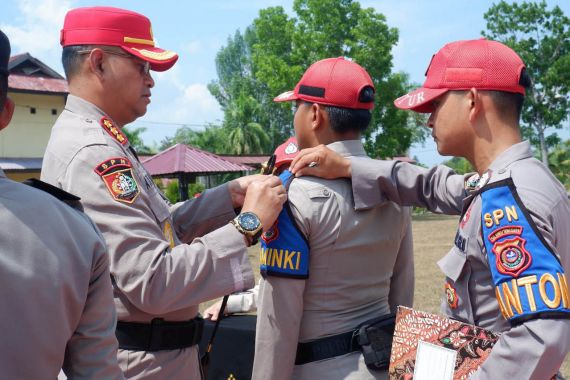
(375, 340)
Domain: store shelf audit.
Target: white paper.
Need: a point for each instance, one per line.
(434, 362)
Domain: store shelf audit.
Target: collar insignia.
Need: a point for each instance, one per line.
(114, 131)
(476, 182)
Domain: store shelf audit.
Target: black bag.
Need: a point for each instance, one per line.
(375, 340)
(231, 356)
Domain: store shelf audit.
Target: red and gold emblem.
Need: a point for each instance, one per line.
(114, 131)
(271, 234)
(451, 295)
(117, 173)
(511, 257)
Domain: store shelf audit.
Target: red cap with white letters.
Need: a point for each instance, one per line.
(462, 65)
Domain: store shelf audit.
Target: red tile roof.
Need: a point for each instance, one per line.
(30, 74)
(37, 84)
(182, 158)
(246, 160)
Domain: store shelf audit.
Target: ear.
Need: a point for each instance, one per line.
(475, 106)
(95, 62)
(6, 114)
(317, 116)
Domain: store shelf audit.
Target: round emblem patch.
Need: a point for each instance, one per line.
(291, 148)
(511, 257)
(451, 295)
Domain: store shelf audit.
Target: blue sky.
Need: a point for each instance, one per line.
(198, 29)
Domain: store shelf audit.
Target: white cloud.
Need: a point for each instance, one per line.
(37, 30)
(197, 104)
(192, 47)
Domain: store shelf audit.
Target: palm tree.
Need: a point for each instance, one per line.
(245, 135)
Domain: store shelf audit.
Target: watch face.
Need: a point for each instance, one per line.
(249, 221)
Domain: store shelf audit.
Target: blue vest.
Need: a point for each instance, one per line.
(284, 249)
(528, 277)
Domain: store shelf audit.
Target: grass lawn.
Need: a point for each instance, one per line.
(433, 237)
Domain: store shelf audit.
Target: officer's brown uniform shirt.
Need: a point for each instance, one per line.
(360, 267)
(155, 272)
(533, 349)
(56, 295)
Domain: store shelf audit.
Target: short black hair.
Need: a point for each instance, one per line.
(510, 100)
(344, 120)
(71, 59)
(348, 119)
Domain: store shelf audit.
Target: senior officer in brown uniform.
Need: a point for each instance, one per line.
(164, 259)
(56, 295)
(508, 268)
(327, 269)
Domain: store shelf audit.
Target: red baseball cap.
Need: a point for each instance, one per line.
(462, 65)
(286, 152)
(332, 82)
(109, 26)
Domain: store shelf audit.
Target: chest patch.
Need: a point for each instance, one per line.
(117, 174)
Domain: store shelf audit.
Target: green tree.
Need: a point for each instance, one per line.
(135, 139)
(276, 49)
(211, 139)
(460, 165)
(239, 95)
(542, 38)
(559, 161)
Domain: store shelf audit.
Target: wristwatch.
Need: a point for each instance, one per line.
(249, 225)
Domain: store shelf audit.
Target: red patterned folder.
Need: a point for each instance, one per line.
(472, 344)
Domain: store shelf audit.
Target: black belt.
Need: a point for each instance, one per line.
(159, 334)
(325, 348)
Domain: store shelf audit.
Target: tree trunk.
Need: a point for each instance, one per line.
(543, 150)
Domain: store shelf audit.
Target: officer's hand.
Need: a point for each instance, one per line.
(265, 199)
(238, 188)
(322, 162)
(213, 312)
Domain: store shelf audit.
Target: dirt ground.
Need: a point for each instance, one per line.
(433, 237)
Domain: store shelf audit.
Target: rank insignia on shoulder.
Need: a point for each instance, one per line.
(529, 279)
(113, 130)
(117, 173)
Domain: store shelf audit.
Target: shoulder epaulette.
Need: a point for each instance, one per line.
(52, 190)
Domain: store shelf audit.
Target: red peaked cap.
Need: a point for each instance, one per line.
(109, 26)
(333, 82)
(462, 65)
(286, 152)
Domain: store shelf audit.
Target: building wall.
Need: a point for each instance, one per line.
(28, 133)
(23, 175)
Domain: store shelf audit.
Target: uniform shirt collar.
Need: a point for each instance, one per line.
(347, 148)
(514, 153)
(81, 106)
(88, 110)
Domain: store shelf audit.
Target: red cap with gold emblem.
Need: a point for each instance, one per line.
(109, 26)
